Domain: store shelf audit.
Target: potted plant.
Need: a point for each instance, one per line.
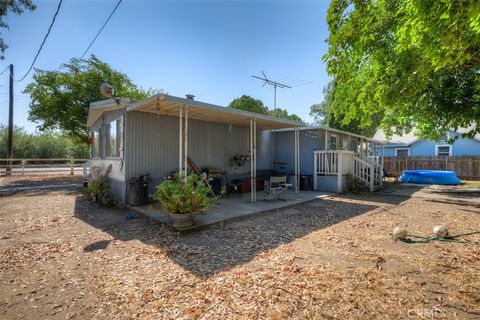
(181, 197)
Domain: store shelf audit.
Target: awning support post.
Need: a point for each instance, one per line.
(185, 156)
(180, 142)
(253, 185)
(254, 159)
(297, 160)
(381, 174)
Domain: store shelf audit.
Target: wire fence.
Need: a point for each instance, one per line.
(41, 166)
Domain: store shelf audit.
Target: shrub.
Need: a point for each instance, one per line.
(99, 190)
(183, 194)
(354, 184)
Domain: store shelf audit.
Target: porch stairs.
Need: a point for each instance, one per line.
(368, 171)
(340, 163)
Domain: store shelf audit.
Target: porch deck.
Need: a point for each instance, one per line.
(232, 206)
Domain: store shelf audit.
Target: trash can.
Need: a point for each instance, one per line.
(305, 182)
(137, 192)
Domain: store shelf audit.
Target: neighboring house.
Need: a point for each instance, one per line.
(159, 134)
(410, 145)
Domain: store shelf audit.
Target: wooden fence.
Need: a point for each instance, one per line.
(465, 166)
(43, 166)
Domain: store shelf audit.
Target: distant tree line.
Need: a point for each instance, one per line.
(45, 145)
(248, 103)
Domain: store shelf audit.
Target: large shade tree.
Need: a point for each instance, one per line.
(15, 6)
(61, 98)
(414, 64)
(323, 115)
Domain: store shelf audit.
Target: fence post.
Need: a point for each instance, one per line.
(315, 169)
(23, 167)
(72, 166)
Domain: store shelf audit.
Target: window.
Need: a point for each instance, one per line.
(97, 143)
(402, 152)
(345, 144)
(443, 150)
(114, 137)
(333, 142)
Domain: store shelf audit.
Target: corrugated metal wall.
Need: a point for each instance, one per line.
(310, 140)
(285, 150)
(152, 145)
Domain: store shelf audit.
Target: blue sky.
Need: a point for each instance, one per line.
(207, 48)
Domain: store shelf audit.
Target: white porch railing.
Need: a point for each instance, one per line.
(332, 162)
(342, 162)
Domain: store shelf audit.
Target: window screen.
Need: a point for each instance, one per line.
(443, 150)
(333, 142)
(96, 143)
(114, 138)
(401, 152)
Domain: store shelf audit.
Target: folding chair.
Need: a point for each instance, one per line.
(274, 187)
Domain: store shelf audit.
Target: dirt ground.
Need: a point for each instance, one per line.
(62, 257)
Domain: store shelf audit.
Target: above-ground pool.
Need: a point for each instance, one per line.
(429, 177)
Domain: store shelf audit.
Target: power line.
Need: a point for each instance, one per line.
(43, 42)
(4, 70)
(101, 29)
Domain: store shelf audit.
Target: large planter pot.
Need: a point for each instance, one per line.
(182, 221)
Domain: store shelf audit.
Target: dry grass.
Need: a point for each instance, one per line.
(327, 259)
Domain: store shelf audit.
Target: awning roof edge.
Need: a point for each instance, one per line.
(333, 130)
(97, 108)
(213, 109)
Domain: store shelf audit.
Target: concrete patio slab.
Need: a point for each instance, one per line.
(232, 206)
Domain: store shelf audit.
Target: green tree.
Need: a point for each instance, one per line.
(61, 98)
(324, 115)
(248, 103)
(15, 6)
(43, 145)
(283, 114)
(412, 64)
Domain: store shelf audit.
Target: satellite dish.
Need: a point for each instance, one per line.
(107, 90)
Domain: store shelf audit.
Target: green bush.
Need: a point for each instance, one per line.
(99, 190)
(354, 184)
(183, 194)
(44, 145)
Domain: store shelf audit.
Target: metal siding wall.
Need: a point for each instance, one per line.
(265, 149)
(152, 144)
(285, 151)
(285, 147)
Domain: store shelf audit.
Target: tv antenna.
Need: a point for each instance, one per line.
(274, 84)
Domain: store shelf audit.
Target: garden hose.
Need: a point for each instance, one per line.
(449, 238)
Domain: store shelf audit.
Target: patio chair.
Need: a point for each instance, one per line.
(274, 187)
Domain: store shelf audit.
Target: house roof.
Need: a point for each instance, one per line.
(405, 139)
(163, 104)
(410, 138)
(98, 108)
(333, 130)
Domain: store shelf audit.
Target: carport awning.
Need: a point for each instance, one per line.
(167, 105)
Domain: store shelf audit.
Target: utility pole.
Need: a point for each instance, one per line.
(10, 125)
